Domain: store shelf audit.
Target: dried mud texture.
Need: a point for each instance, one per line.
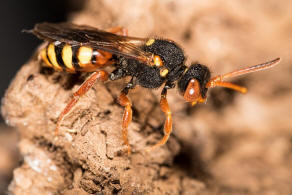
(235, 144)
(10, 157)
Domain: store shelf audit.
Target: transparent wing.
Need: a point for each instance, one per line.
(98, 39)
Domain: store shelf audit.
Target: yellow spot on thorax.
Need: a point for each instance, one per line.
(163, 72)
(52, 56)
(150, 42)
(84, 56)
(67, 56)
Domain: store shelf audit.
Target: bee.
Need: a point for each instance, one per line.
(149, 62)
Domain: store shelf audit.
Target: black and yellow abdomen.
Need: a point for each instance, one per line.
(71, 58)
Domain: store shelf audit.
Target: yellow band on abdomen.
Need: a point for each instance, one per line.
(43, 56)
(67, 56)
(52, 56)
(84, 56)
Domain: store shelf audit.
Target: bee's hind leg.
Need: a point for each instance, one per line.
(86, 85)
(118, 30)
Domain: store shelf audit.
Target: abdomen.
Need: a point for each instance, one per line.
(71, 58)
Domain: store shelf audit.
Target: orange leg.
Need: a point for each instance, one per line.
(127, 118)
(118, 30)
(168, 122)
(86, 85)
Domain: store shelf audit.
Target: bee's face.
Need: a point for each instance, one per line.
(192, 84)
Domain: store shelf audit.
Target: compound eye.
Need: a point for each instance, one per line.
(192, 93)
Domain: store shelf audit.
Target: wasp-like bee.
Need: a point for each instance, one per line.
(150, 63)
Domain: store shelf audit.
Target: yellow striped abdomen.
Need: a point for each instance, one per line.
(65, 57)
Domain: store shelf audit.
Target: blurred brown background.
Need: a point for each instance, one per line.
(240, 143)
(16, 49)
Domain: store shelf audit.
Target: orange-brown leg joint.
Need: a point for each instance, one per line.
(86, 85)
(118, 30)
(167, 124)
(127, 118)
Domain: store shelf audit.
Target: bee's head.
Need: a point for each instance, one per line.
(192, 84)
(196, 81)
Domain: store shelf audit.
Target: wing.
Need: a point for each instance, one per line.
(98, 39)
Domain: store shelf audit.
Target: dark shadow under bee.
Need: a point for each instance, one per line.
(64, 79)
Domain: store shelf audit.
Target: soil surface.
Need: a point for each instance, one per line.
(233, 144)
